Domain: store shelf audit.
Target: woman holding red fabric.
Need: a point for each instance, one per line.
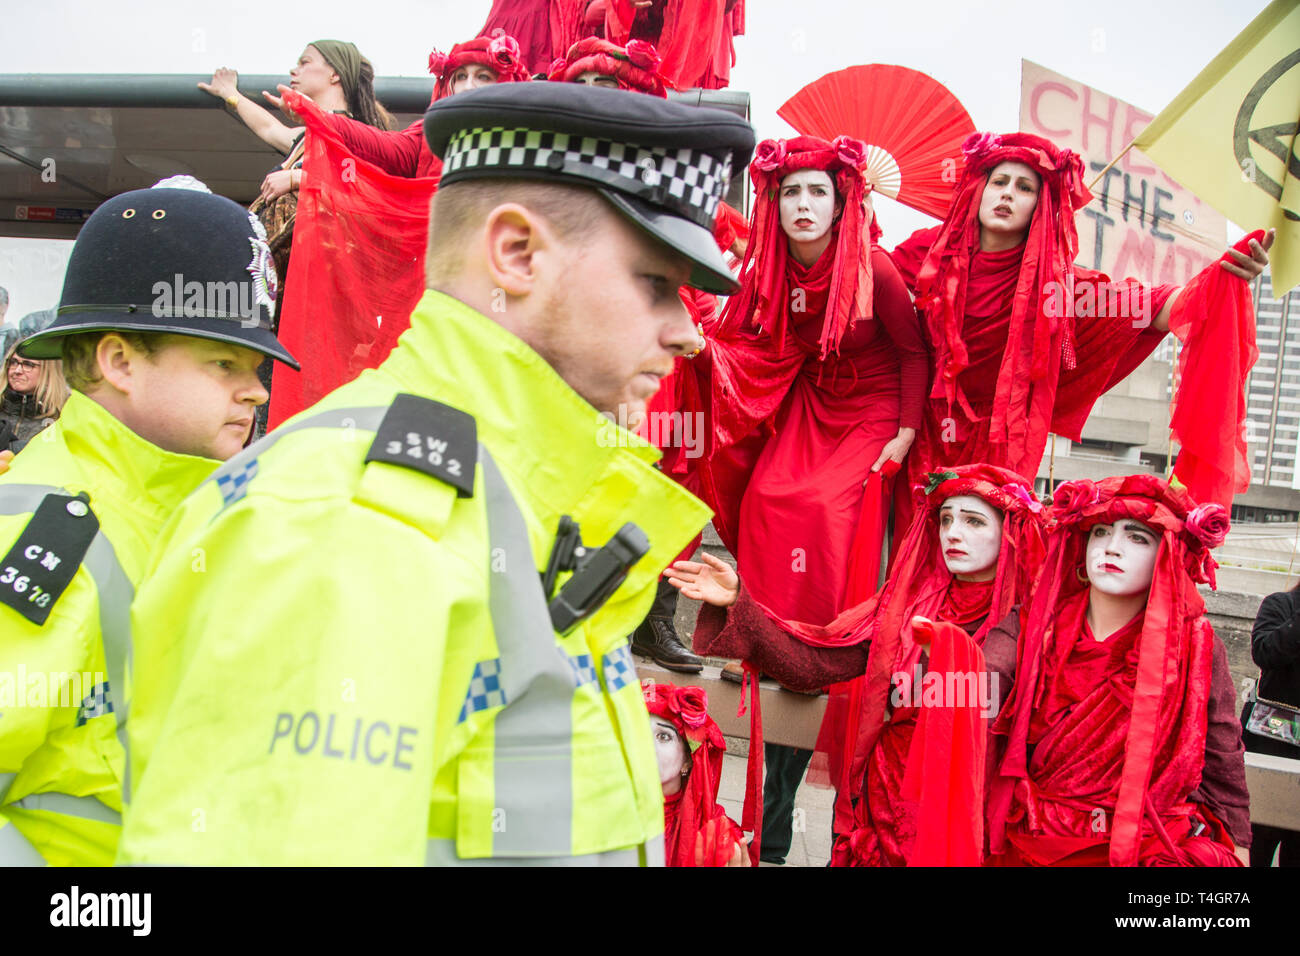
(697, 832)
(967, 559)
(1122, 741)
(474, 63)
(1021, 347)
(813, 380)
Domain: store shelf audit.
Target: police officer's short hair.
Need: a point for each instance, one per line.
(462, 207)
(81, 364)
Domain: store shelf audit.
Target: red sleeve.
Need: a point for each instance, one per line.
(396, 152)
(744, 631)
(1113, 334)
(1223, 780)
(910, 253)
(893, 306)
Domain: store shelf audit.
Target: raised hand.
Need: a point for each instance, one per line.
(1248, 266)
(224, 84)
(713, 581)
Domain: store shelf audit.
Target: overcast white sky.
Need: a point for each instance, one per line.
(1142, 51)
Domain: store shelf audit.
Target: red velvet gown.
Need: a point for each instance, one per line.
(793, 437)
(1108, 349)
(1062, 814)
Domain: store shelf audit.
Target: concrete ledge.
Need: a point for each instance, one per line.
(1274, 785)
(788, 718)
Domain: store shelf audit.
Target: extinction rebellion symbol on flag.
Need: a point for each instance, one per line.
(1275, 139)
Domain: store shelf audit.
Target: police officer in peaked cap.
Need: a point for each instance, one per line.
(438, 564)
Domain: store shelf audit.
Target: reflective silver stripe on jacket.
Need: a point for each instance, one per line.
(88, 808)
(443, 853)
(16, 850)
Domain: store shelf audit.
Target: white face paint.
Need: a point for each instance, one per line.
(807, 203)
(1121, 557)
(970, 537)
(671, 751)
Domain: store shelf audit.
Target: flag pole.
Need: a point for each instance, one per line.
(1122, 154)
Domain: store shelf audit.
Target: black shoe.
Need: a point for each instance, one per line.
(657, 639)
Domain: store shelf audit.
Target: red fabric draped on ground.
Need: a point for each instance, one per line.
(358, 267)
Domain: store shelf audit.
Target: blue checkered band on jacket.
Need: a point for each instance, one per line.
(688, 182)
(95, 704)
(619, 669)
(235, 485)
(584, 670)
(484, 689)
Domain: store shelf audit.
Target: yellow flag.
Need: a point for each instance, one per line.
(1231, 136)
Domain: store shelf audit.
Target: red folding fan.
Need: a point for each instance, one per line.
(912, 125)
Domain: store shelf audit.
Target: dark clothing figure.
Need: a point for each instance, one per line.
(1275, 647)
(20, 420)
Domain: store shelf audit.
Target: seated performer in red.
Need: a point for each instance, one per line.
(1122, 740)
(967, 559)
(689, 745)
(694, 35)
(1025, 342)
(813, 380)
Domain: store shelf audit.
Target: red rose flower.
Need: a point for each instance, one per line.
(769, 155)
(849, 151)
(504, 49)
(977, 144)
(643, 54)
(1072, 497)
(437, 63)
(1023, 495)
(1209, 524)
(692, 705)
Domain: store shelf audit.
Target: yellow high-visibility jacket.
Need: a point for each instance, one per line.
(61, 681)
(349, 662)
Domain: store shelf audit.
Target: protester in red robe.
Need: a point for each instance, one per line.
(474, 63)
(695, 36)
(598, 62)
(813, 380)
(1122, 740)
(968, 559)
(690, 748)
(1025, 342)
(362, 226)
(545, 29)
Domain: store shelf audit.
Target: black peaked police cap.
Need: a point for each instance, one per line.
(174, 258)
(663, 165)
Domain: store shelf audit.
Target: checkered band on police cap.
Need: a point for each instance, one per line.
(688, 182)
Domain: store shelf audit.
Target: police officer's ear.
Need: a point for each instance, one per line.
(117, 359)
(520, 246)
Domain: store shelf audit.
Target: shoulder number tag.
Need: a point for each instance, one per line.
(41, 565)
(431, 437)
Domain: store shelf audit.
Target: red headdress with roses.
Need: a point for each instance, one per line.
(1173, 667)
(499, 51)
(1048, 257)
(686, 708)
(636, 66)
(767, 285)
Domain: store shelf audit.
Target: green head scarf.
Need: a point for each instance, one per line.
(345, 59)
